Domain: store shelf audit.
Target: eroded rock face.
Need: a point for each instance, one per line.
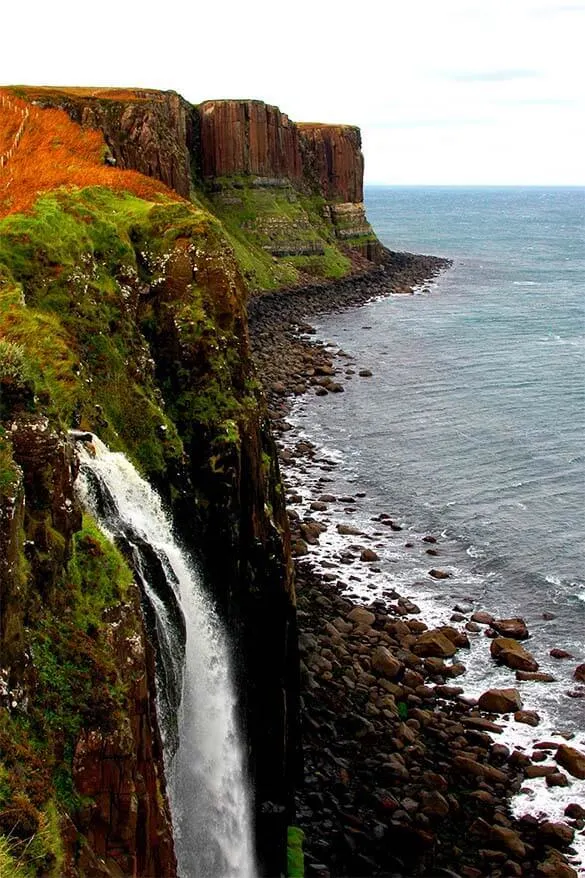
(129, 824)
(333, 161)
(250, 138)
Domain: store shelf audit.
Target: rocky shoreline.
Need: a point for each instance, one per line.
(403, 774)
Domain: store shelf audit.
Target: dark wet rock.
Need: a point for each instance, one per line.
(384, 663)
(361, 616)
(500, 701)
(528, 717)
(575, 811)
(515, 628)
(558, 835)
(369, 555)
(535, 677)
(509, 652)
(482, 617)
(579, 673)
(557, 653)
(571, 760)
(439, 574)
(557, 779)
(434, 643)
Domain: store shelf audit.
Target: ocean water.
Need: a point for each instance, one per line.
(472, 426)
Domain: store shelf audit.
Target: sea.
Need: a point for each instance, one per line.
(471, 428)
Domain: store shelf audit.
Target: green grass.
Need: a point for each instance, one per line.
(296, 862)
(71, 276)
(261, 220)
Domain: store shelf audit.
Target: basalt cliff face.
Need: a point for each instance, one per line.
(290, 195)
(123, 312)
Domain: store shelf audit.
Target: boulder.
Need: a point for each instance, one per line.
(369, 555)
(384, 663)
(361, 616)
(560, 653)
(559, 835)
(509, 652)
(571, 760)
(579, 673)
(434, 643)
(529, 717)
(515, 628)
(535, 677)
(482, 617)
(439, 574)
(500, 701)
(509, 840)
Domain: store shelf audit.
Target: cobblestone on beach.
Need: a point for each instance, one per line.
(403, 774)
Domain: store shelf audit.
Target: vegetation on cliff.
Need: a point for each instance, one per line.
(122, 311)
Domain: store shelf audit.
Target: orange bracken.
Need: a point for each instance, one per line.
(51, 151)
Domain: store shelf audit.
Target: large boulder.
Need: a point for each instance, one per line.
(515, 628)
(500, 701)
(571, 760)
(579, 673)
(361, 616)
(434, 643)
(510, 653)
(385, 664)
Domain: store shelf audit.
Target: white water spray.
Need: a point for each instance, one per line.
(203, 751)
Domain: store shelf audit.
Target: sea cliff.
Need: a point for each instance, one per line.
(136, 233)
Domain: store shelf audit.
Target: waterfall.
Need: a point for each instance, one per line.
(196, 698)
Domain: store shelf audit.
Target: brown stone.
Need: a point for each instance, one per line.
(384, 663)
(557, 653)
(515, 628)
(434, 805)
(579, 673)
(532, 771)
(482, 617)
(559, 835)
(535, 677)
(369, 555)
(512, 654)
(361, 616)
(571, 760)
(500, 701)
(528, 717)
(509, 840)
(434, 643)
(557, 779)
(439, 574)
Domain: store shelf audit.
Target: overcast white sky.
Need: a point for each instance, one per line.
(445, 91)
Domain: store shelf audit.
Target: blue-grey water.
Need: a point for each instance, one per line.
(472, 425)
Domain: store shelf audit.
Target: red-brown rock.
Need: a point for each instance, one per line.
(500, 701)
(509, 652)
(515, 628)
(571, 760)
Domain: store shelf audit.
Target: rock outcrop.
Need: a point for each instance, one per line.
(333, 161)
(100, 745)
(248, 138)
(147, 131)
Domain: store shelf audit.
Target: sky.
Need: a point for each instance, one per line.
(448, 92)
